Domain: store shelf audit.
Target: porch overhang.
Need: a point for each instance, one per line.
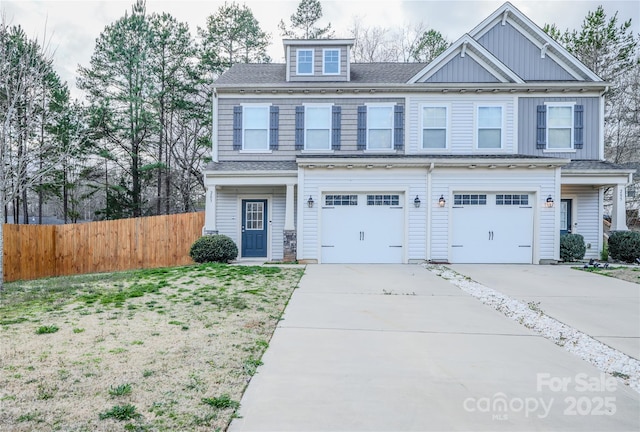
(597, 178)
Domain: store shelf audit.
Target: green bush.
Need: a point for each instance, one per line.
(213, 248)
(572, 247)
(624, 245)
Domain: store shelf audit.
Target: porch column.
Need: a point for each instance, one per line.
(290, 236)
(619, 212)
(288, 213)
(210, 227)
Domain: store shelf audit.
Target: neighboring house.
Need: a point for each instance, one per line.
(484, 155)
(633, 195)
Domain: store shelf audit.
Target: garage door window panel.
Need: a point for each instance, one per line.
(470, 199)
(383, 200)
(512, 199)
(341, 200)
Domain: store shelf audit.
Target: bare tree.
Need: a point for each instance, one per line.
(25, 76)
(409, 43)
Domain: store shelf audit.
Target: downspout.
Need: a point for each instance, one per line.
(601, 137)
(429, 208)
(214, 126)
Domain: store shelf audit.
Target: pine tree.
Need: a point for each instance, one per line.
(303, 22)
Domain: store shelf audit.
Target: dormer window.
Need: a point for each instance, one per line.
(305, 62)
(331, 62)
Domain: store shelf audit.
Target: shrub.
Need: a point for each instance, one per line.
(624, 245)
(214, 248)
(572, 247)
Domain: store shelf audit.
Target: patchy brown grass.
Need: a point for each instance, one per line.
(184, 341)
(627, 273)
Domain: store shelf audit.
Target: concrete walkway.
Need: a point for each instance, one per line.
(605, 308)
(396, 348)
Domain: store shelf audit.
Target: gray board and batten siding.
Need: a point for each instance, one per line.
(462, 69)
(521, 55)
(287, 125)
(527, 126)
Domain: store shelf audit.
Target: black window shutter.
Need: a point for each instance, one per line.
(362, 127)
(541, 127)
(274, 114)
(299, 127)
(398, 127)
(578, 126)
(237, 128)
(336, 127)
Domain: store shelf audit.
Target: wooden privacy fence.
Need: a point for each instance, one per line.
(35, 251)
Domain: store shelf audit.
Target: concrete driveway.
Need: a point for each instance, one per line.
(396, 348)
(605, 308)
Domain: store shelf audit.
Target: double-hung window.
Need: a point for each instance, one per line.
(379, 127)
(305, 62)
(489, 133)
(434, 127)
(255, 128)
(560, 126)
(317, 124)
(331, 62)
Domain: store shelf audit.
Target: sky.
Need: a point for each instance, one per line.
(69, 28)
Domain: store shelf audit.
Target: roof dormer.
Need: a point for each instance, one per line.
(318, 60)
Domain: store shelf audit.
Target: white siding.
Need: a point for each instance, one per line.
(411, 182)
(228, 218)
(541, 181)
(462, 122)
(587, 216)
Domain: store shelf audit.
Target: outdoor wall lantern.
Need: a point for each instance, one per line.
(442, 201)
(310, 202)
(416, 202)
(549, 202)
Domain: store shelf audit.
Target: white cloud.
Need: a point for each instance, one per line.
(72, 26)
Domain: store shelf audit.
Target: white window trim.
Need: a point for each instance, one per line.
(244, 124)
(317, 105)
(447, 107)
(298, 61)
(391, 148)
(476, 127)
(324, 63)
(550, 149)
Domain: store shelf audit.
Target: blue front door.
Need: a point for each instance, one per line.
(565, 216)
(254, 228)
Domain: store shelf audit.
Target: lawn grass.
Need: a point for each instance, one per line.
(627, 273)
(167, 349)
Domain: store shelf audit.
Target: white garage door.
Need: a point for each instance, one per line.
(362, 228)
(492, 228)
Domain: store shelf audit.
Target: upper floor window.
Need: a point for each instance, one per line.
(489, 127)
(256, 127)
(317, 122)
(379, 127)
(560, 126)
(305, 62)
(255, 130)
(434, 127)
(331, 62)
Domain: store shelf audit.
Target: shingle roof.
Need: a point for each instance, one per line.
(361, 73)
(593, 165)
(252, 166)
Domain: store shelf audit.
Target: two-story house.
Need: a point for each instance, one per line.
(485, 155)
